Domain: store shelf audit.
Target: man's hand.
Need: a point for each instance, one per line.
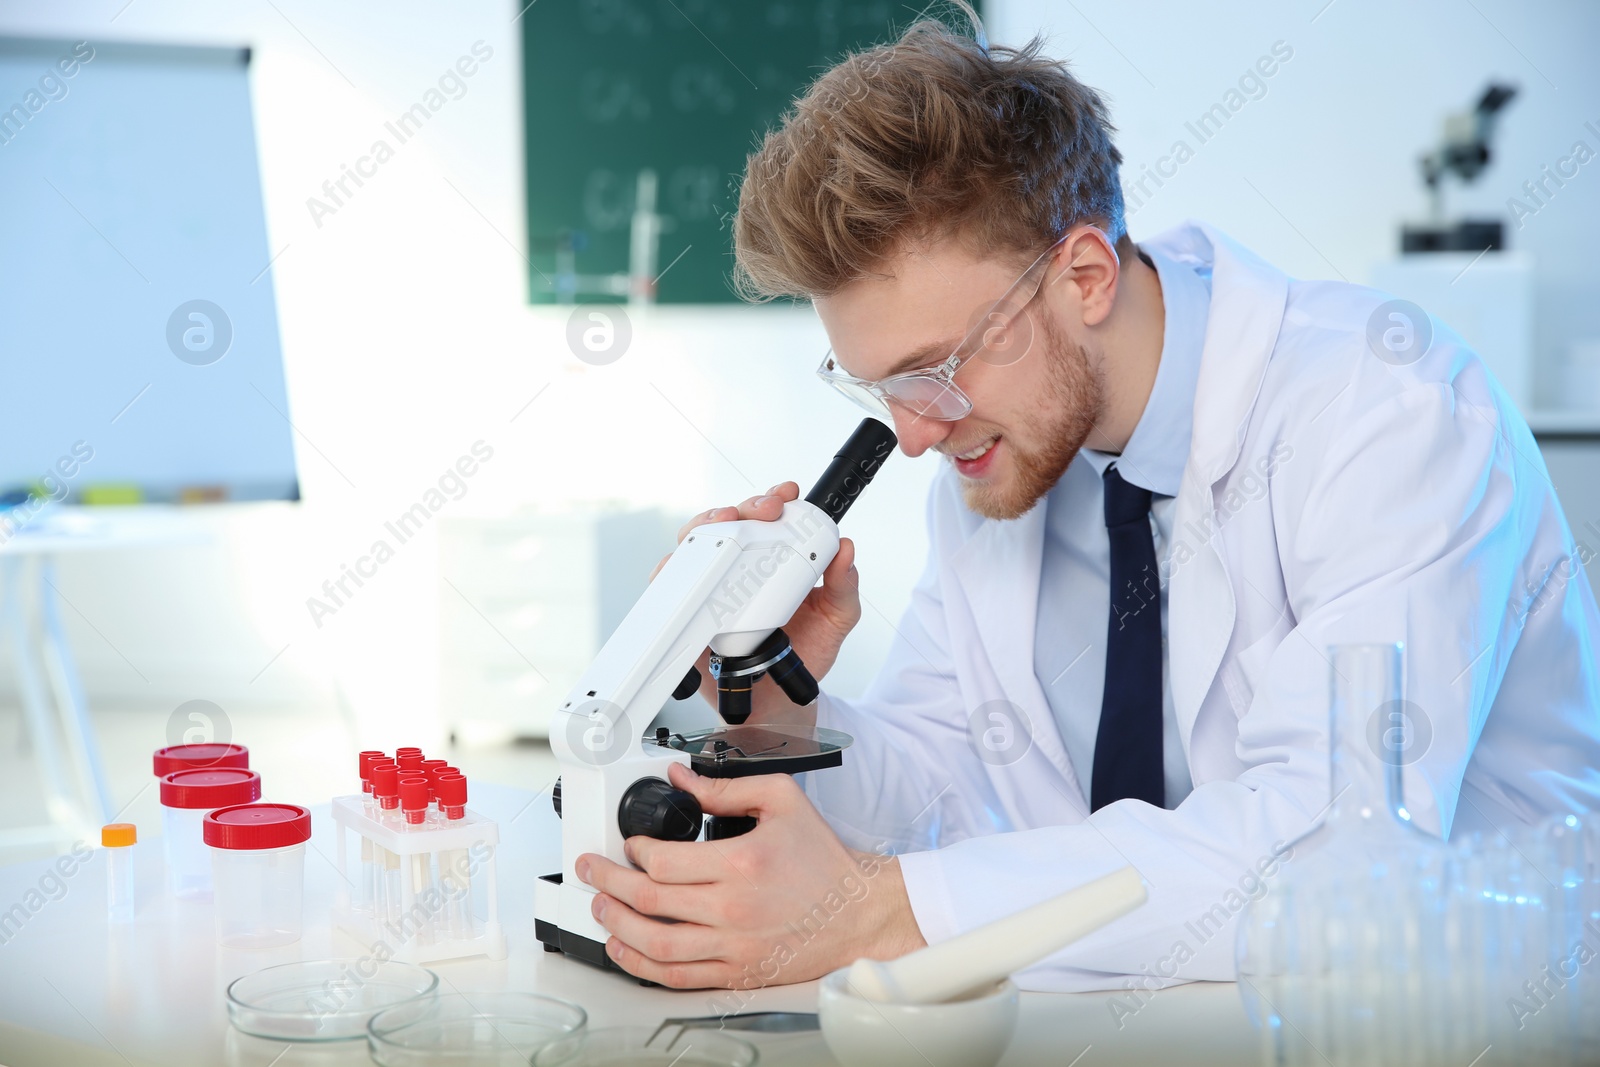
(786, 902)
(816, 630)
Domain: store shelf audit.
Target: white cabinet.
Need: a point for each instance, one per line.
(527, 600)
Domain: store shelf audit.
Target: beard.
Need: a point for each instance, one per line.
(1069, 405)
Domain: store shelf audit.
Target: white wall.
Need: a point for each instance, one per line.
(407, 339)
(1317, 174)
(406, 336)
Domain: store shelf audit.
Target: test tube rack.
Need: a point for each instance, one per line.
(417, 931)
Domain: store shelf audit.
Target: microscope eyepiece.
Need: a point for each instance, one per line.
(852, 468)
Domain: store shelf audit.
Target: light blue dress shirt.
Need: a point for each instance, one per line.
(1069, 655)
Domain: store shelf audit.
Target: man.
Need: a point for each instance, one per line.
(1243, 468)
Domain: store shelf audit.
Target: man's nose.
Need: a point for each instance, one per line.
(917, 433)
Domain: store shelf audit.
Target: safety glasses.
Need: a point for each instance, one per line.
(932, 392)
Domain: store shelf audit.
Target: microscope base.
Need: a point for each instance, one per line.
(555, 939)
(575, 945)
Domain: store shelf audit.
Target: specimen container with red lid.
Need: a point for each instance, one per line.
(258, 857)
(186, 796)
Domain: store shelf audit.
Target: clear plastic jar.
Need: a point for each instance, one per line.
(186, 796)
(258, 859)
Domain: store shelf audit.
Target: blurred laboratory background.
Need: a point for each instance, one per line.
(315, 440)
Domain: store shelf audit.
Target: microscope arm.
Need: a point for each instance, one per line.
(726, 587)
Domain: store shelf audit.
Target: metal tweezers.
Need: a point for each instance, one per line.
(764, 1022)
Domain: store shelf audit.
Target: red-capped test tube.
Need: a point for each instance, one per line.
(364, 761)
(452, 790)
(409, 759)
(386, 865)
(430, 771)
(414, 799)
(418, 865)
(433, 776)
(455, 867)
(386, 786)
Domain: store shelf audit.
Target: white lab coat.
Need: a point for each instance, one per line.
(1404, 503)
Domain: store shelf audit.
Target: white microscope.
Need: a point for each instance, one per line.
(729, 587)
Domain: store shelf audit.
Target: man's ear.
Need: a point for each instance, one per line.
(1087, 264)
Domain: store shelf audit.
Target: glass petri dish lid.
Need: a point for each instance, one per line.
(323, 1000)
(642, 1046)
(471, 1030)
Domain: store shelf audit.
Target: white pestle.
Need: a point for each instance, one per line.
(979, 958)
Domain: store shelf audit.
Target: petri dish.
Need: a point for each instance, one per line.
(471, 1030)
(323, 1000)
(641, 1046)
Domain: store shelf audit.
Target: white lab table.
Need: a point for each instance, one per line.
(74, 990)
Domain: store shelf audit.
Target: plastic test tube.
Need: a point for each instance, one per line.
(118, 839)
(452, 790)
(386, 787)
(431, 769)
(434, 774)
(419, 865)
(365, 760)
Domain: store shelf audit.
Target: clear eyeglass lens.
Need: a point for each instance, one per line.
(861, 397)
(926, 395)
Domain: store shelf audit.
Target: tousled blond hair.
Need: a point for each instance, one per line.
(936, 135)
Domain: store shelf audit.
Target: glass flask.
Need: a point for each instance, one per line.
(1381, 945)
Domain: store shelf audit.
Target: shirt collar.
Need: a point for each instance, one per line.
(1159, 447)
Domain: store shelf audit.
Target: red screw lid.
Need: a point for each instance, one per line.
(210, 788)
(252, 826)
(452, 790)
(413, 794)
(189, 757)
(431, 769)
(409, 761)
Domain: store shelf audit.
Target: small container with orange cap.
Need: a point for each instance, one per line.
(258, 861)
(118, 839)
(186, 796)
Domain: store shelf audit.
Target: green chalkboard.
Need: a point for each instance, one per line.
(680, 88)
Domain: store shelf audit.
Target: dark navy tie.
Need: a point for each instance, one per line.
(1127, 748)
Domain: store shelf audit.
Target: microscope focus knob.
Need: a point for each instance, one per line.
(653, 808)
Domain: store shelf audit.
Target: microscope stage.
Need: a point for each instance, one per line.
(737, 751)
